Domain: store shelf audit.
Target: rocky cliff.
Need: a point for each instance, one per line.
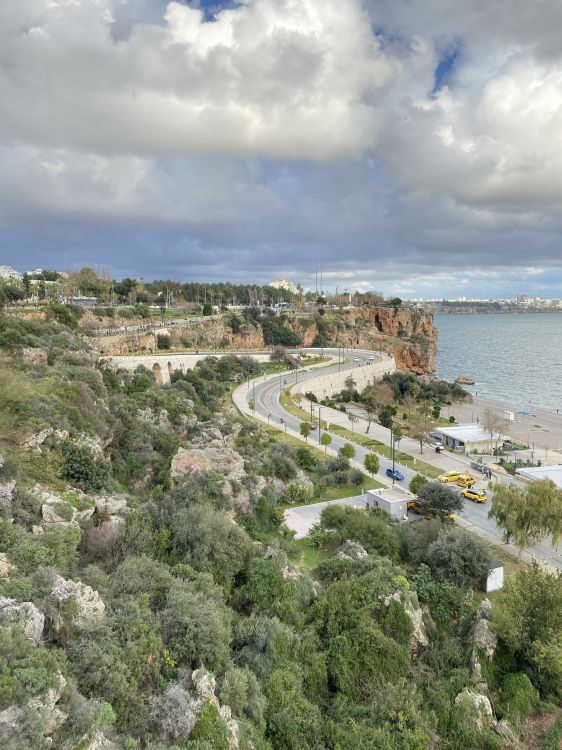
(409, 335)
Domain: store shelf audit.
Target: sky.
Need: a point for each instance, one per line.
(418, 142)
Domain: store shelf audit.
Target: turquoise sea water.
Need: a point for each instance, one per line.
(512, 357)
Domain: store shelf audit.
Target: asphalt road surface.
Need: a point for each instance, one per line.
(266, 393)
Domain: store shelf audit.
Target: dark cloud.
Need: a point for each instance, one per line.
(227, 140)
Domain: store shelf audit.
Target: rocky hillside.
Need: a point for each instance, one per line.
(409, 335)
(151, 597)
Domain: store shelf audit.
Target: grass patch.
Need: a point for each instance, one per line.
(307, 557)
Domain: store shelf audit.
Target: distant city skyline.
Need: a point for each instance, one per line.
(416, 143)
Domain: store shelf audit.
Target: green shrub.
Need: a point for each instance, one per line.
(83, 469)
(518, 696)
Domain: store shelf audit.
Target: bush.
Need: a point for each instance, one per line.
(518, 696)
(163, 341)
(81, 468)
(459, 557)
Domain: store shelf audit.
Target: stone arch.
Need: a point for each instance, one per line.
(157, 372)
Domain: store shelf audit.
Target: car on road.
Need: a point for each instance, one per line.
(371, 357)
(313, 426)
(449, 476)
(394, 474)
(465, 480)
(356, 359)
(477, 496)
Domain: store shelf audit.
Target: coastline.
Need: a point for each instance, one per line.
(541, 427)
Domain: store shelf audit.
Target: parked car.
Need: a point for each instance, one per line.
(465, 480)
(477, 496)
(356, 359)
(394, 474)
(449, 476)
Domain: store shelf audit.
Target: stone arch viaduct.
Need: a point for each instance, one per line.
(163, 365)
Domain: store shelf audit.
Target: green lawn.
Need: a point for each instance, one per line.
(308, 557)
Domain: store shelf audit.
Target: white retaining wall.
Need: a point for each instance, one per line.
(324, 386)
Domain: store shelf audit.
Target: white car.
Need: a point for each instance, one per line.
(356, 359)
(371, 357)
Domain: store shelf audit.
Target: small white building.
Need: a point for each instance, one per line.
(391, 499)
(494, 579)
(554, 473)
(468, 438)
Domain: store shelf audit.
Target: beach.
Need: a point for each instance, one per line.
(540, 428)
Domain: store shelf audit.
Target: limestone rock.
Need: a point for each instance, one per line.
(24, 614)
(93, 444)
(352, 551)
(5, 565)
(205, 685)
(475, 667)
(52, 717)
(35, 441)
(409, 600)
(11, 716)
(111, 505)
(58, 514)
(484, 611)
(222, 460)
(6, 496)
(478, 708)
(507, 732)
(98, 741)
(89, 605)
(484, 637)
(60, 435)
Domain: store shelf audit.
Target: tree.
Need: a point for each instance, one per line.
(347, 451)
(370, 404)
(419, 432)
(326, 440)
(526, 616)
(417, 482)
(305, 430)
(438, 500)
(527, 515)
(372, 463)
(207, 309)
(494, 425)
(458, 556)
(353, 418)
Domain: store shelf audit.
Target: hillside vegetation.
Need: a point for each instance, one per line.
(151, 597)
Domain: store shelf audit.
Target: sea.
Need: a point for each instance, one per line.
(513, 357)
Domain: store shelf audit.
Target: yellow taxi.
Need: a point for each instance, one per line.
(477, 496)
(450, 476)
(465, 480)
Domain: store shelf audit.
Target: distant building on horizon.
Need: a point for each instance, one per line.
(284, 284)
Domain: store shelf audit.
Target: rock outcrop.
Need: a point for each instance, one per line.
(409, 600)
(352, 551)
(478, 708)
(41, 710)
(88, 605)
(220, 460)
(24, 614)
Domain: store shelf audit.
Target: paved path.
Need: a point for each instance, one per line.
(265, 393)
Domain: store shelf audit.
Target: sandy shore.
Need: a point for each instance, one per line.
(540, 428)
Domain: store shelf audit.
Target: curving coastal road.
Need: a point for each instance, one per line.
(265, 393)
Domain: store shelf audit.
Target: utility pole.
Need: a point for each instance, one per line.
(321, 269)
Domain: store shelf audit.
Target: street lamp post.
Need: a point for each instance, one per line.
(319, 422)
(392, 448)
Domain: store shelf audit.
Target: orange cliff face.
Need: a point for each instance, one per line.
(409, 335)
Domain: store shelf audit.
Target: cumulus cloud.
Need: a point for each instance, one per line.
(406, 137)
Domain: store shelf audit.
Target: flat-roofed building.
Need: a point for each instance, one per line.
(468, 438)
